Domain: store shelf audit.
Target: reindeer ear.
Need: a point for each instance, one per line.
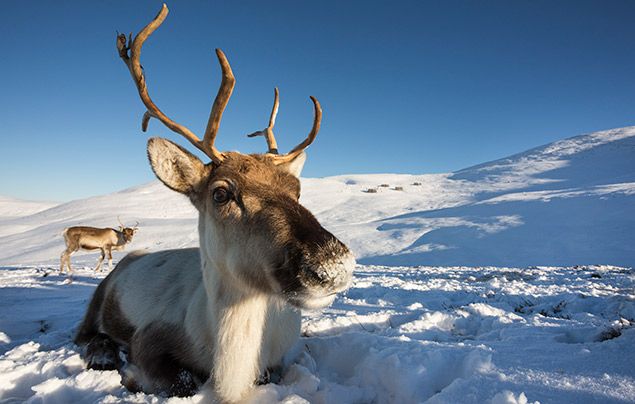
(177, 168)
(295, 166)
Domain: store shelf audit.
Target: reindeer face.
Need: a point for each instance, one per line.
(253, 228)
(128, 233)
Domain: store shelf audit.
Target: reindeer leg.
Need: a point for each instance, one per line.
(154, 355)
(101, 259)
(68, 254)
(63, 258)
(110, 259)
(102, 353)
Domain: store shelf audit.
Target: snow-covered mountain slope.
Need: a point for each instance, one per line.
(567, 203)
(12, 207)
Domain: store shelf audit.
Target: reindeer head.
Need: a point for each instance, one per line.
(127, 232)
(252, 228)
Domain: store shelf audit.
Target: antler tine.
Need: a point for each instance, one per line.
(119, 220)
(317, 118)
(274, 110)
(268, 131)
(220, 102)
(130, 52)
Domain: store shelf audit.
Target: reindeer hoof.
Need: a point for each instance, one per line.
(102, 353)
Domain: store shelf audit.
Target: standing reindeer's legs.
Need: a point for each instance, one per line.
(101, 259)
(65, 259)
(109, 251)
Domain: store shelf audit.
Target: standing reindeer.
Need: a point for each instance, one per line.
(92, 238)
(229, 310)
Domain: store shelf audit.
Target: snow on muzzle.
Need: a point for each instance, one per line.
(313, 275)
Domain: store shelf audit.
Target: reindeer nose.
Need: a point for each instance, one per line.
(319, 277)
(329, 267)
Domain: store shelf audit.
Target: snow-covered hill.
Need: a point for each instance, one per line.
(567, 203)
(490, 323)
(12, 207)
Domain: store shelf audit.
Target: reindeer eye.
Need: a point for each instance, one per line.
(221, 195)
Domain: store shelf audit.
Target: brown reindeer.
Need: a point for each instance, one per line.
(93, 238)
(226, 313)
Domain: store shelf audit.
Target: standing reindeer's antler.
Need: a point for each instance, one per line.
(130, 51)
(271, 140)
(136, 225)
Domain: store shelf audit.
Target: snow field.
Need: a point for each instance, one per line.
(407, 335)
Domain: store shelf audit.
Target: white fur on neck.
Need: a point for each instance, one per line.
(241, 323)
(253, 329)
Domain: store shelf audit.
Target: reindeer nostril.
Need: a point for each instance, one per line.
(319, 277)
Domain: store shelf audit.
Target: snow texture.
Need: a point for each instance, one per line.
(507, 282)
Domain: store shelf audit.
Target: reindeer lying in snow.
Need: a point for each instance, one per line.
(92, 238)
(229, 310)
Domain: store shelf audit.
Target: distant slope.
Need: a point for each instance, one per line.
(566, 203)
(12, 207)
(12, 212)
(605, 157)
(570, 202)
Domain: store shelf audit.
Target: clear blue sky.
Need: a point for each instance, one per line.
(406, 86)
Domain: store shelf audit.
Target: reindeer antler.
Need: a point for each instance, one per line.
(130, 51)
(317, 119)
(271, 140)
(123, 225)
(268, 131)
